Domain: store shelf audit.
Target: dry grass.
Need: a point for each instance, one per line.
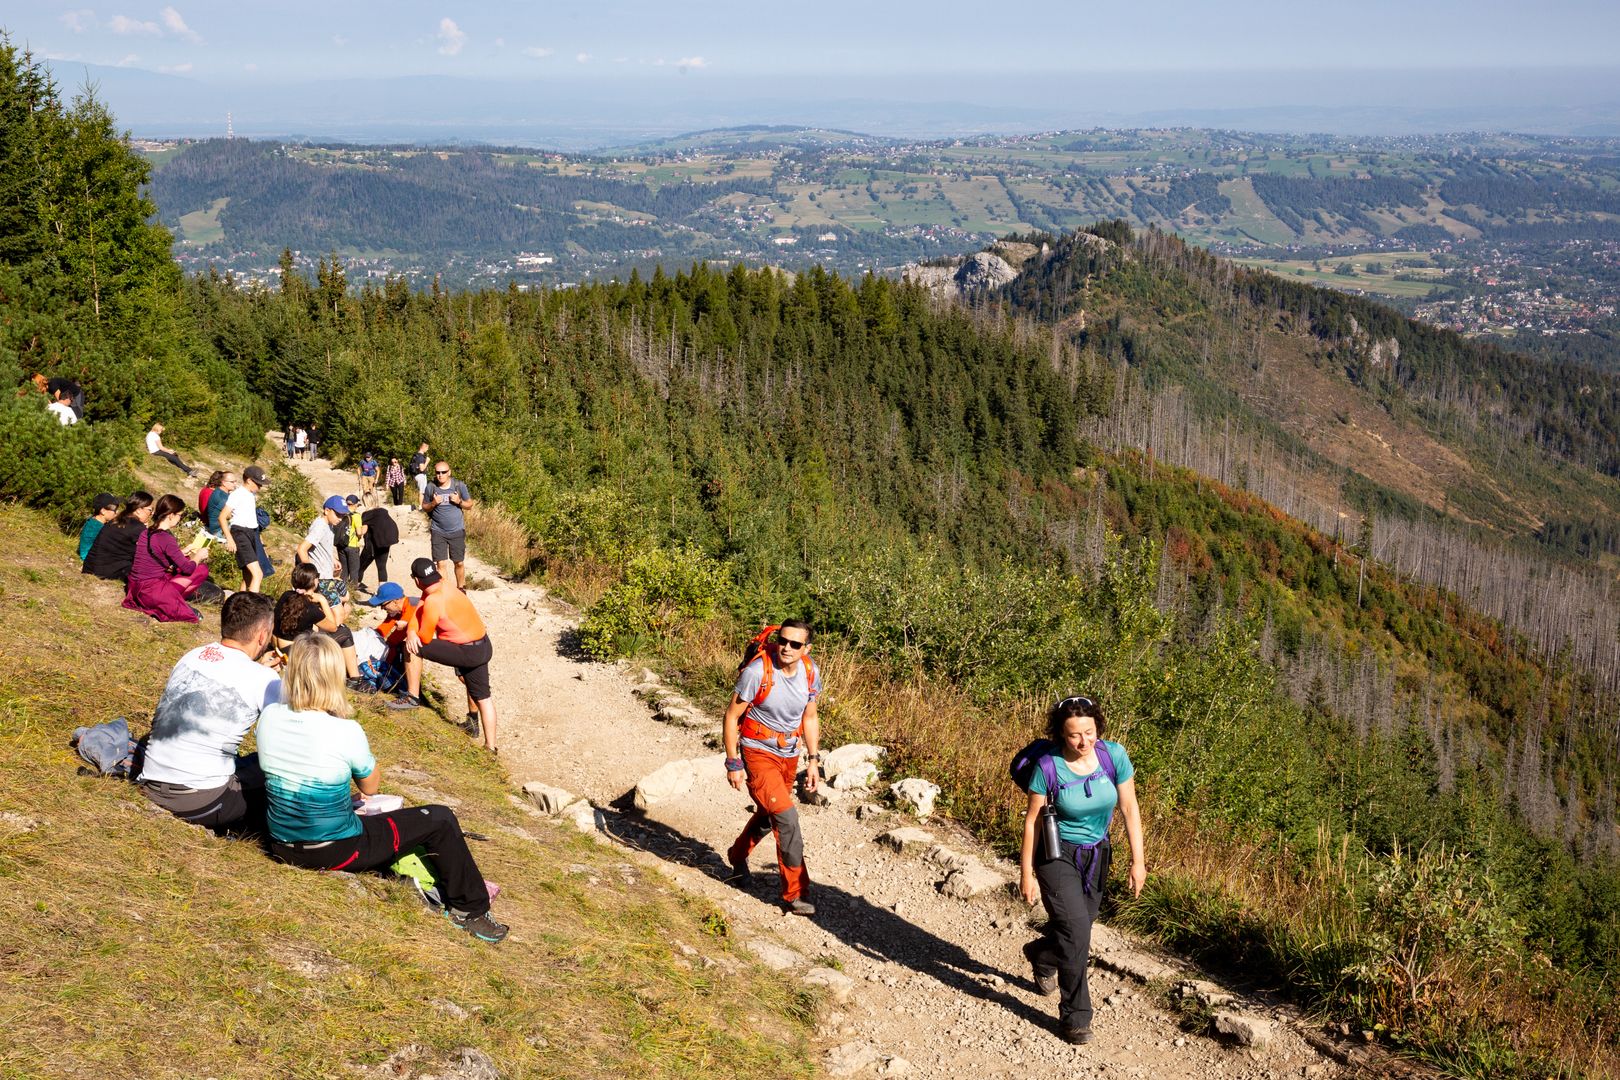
(135, 945)
(500, 538)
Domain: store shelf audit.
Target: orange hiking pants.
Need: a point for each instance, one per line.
(770, 783)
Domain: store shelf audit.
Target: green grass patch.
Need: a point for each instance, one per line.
(202, 227)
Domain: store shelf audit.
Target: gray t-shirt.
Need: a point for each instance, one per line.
(782, 710)
(322, 547)
(212, 700)
(447, 516)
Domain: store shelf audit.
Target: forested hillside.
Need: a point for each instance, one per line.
(714, 449)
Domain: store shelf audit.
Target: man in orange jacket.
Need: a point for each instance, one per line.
(445, 628)
(773, 707)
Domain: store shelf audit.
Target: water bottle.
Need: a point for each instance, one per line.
(1051, 843)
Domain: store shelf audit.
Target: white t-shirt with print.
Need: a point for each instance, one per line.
(211, 701)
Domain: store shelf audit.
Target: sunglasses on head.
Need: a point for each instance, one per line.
(1079, 699)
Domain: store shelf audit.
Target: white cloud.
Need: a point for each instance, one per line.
(339, 40)
(177, 26)
(451, 37)
(123, 24)
(128, 61)
(79, 21)
(500, 43)
(583, 58)
(621, 59)
(686, 62)
(177, 69)
(539, 52)
(250, 67)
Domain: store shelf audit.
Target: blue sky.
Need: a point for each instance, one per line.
(853, 39)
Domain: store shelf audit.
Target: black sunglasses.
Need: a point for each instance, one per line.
(441, 472)
(1079, 699)
(789, 643)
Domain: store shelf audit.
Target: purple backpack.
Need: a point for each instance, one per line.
(1038, 755)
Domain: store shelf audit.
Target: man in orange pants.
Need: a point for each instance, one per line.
(772, 708)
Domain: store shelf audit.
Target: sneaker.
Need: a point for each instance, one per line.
(1045, 985)
(405, 701)
(359, 685)
(1077, 1036)
(481, 927)
(472, 726)
(801, 907)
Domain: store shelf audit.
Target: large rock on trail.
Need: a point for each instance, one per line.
(915, 795)
(836, 761)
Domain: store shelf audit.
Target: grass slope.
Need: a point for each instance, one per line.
(136, 945)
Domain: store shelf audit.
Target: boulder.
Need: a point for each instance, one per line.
(1247, 1030)
(915, 795)
(666, 782)
(836, 761)
(856, 776)
(982, 270)
(904, 840)
(975, 880)
(838, 985)
(949, 858)
(852, 1059)
(547, 799)
(585, 817)
(774, 956)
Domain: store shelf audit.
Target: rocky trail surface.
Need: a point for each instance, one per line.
(917, 936)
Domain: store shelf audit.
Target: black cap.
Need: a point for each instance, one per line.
(255, 474)
(425, 571)
(103, 501)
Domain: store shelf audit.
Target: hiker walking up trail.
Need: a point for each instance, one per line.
(772, 706)
(1074, 780)
(444, 501)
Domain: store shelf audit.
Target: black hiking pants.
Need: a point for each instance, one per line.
(1065, 946)
(371, 553)
(385, 837)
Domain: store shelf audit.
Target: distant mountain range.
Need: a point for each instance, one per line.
(585, 115)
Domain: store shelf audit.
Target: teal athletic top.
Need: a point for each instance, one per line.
(1083, 820)
(308, 759)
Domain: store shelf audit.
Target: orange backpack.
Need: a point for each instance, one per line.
(759, 645)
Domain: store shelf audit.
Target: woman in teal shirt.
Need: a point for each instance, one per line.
(1092, 777)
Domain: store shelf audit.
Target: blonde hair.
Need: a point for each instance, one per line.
(313, 681)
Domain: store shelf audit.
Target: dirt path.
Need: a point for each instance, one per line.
(924, 984)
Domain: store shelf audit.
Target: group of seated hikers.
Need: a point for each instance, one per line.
(134, 542)
(297, 792)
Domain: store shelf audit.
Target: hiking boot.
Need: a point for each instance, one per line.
(481, 927)
(359, 685)
(801, 906)
(1045, 985)
(405, 701)
(471, 725)
(741, 876)
(1077, 1036)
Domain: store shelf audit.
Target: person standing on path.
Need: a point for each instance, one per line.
(773, 707)
(310, 752)
(1070, 885)
(419, 470)
(367, 471)
(318, 548)
(300, 441)
(446, 629)
(395, 479)
(155, 447)
(239, 524)
(445, 500)
(381, 534)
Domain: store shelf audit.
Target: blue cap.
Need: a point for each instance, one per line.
(385, 592)
(336, 505)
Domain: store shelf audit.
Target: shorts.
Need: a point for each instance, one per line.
(471, 662)
(452, 546)
(249, 548)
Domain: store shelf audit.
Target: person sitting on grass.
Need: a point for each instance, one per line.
(211, 701)
(155, 447)
(114, 548)
(321, 606)
(162, 576)
(104, 508)
(446, 629)
(311, 751)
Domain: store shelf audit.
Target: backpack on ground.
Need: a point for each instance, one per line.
(759, 645)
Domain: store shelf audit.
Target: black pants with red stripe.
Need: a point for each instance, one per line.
(385, 837)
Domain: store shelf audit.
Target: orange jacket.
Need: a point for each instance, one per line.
(393, 629)
(446, 612)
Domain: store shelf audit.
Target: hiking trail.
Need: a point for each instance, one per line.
(920, 983)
